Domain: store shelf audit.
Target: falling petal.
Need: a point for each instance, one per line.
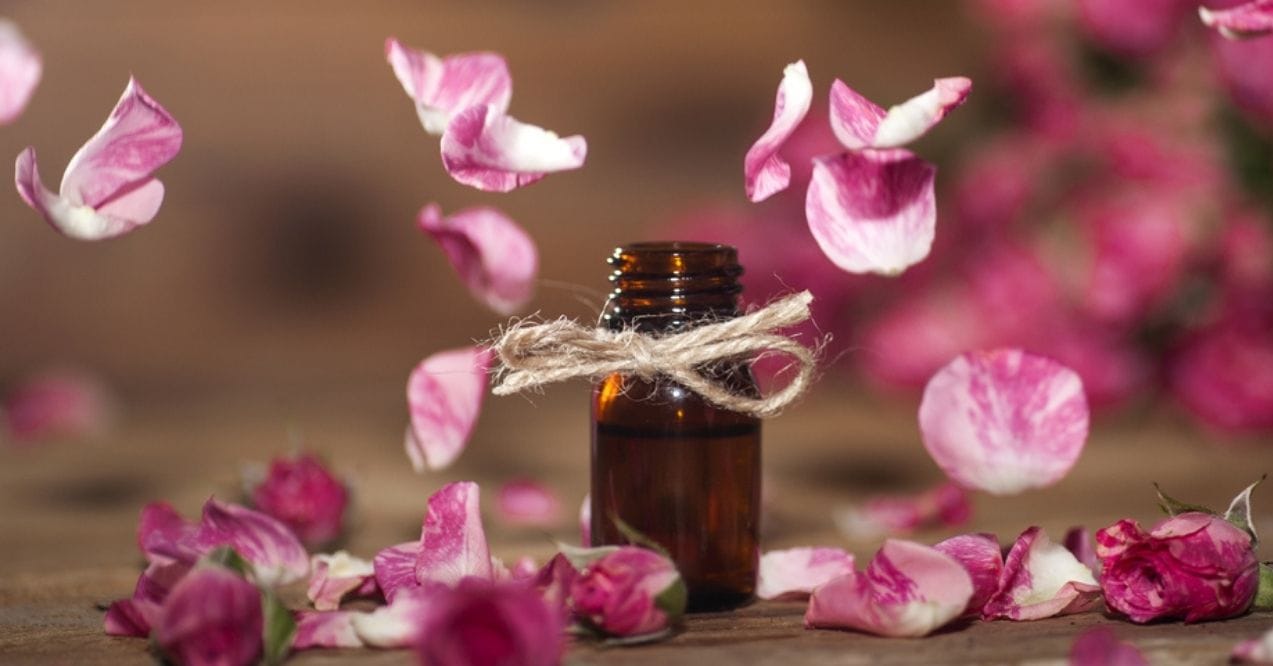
(395, 568)
(982, 559)
(861, 124)
(795, 572)
(20, 68)
(443, 87)
(908, 589)
(325, 629)
(873, 211)
(494, 257)
(55, 403)
(1004, 421)
(1251, 19)
(485, 149)
(526, 502)
(453, 543)
(108, 188)
(336, 575)
(1099, 646)
(444, 395)
(764, 172)
(1041, 579)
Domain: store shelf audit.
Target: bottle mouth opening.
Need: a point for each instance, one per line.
(673, 247)
(674, 260)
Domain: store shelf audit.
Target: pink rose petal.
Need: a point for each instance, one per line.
(1004, 421)
(55, 403)
(336, 575)
(860, 124)
(212, 611)
(874, 211)
(108, 188)
(1041, 579)
(554, 581)
(495, 258)
(276, 556)
(20, 68)
(396, 625)
(1251, 19)
(453, 543)
(765, 173)
(981, 557)
(526, 502)
(325, 629)
(485, 149)
(1078, 540)
(943, 506)
(1255, 651)
(445, 395)
(1100, 647)
(795, 572)
(908, 589)
(131, 617)
(395, 568)
(443, 87)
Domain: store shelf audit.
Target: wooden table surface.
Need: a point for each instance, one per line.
(68, 514)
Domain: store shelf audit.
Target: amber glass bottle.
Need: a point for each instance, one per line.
(675, 467)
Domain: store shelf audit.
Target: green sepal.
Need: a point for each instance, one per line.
(638, 538)
(1264, 593)
(279, 630)
(580, 557)
(1174, 507)
(1239, 511)
(673, 600)
(225, 556)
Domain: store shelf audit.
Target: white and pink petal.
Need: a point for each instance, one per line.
(861, 124)
(395, 569)
(325, 629)
(1041, 579)
(795, 572)
(337, 575)
(276, 555)
(443, 87)
(1250, 19)
(453, 543)
(872, 211)
(396, 625)
(444, 396)
(20, 69)
(765, 173)
(982, 558)
(494, 257)
(1004, 421)
(488, 150)
(1255, 650)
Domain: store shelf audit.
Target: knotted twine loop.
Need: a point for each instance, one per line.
(534, 354)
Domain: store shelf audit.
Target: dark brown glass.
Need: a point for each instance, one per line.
(678, 469)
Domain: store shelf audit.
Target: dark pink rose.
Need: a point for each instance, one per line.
(302, 494)
(212, 617)
(1224, 375)
(1195, 566)
(480, 623)
(619, 594)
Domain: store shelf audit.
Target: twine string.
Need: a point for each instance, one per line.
(533, 354)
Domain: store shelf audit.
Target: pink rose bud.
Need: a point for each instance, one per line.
(302, 494)
(629, 592)
(480, 622)
(1195, 566)
(212, 616)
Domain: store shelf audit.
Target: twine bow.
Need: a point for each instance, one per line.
(534, 354)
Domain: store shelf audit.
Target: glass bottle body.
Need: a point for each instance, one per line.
(678, 469)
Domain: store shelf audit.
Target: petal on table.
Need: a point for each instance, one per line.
(131, 617)
(1078, 540)
(1100, 647)
(494, 257)
(873, 211)
(765, 173)
(444, 396)
(277, 557)
(336, 575)
(795, 572)
(453, 543)
(443, 87)
(860, 124)
(1255, 651)
(945, 505)
(395, 625)
(1004, 421)
(907, 590)
(20, 69)
(1041, 579)
(982, 559)
(1250, 19)
(325, 629)
(163, 535)
(395, 568)
(528, 502)
(485, 149)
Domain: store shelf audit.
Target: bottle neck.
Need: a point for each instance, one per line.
(668, 287)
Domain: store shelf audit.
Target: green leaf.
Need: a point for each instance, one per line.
(229, 558)
(580, 558)
(1174, 507)
(673, 600)
(637, 538)
(1239, 512)
(1264, 593)
(280, 629)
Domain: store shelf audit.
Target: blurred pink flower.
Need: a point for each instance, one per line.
(765, 173)
(1041, 579)
(795, 572)
(494, 257)
(1133, 28)
(1099, 646)
(527, 502)
(108, 188)
(1194, 566)
(1224, 374)
(489, 624)
(304, 495)
(1244, 67)
(908, 589)
(443, 87)
(945, 505)
(52, 404)
(212, 617)
(631, 591)
(444, 396)
(20, 69)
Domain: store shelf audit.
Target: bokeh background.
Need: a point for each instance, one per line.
(1104, 197)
